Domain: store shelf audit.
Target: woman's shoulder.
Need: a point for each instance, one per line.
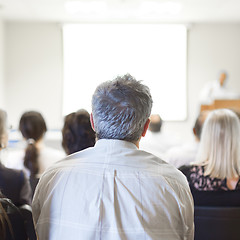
(188, 169)
(11, 174)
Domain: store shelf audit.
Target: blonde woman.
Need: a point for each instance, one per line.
(217, 167)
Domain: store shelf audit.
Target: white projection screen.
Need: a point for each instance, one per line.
(154, 53)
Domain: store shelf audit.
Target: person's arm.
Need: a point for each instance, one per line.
(187, 209)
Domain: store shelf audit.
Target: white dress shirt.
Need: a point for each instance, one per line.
(113, 191)
(213, 91)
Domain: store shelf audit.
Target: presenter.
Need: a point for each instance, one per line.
(217, 90)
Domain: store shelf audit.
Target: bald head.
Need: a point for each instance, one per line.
(155, 123)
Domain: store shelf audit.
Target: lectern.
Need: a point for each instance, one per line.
(231, 104)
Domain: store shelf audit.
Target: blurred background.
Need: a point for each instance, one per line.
(53, 53)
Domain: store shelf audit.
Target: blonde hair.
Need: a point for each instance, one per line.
(220, 144)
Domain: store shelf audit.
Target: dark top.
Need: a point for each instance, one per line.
(209, 191)
(15, 186)
(33, 182)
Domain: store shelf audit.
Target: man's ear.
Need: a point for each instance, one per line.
(92, 123)
(145, 128)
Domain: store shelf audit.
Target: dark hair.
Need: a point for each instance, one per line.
(33, 127)
(199, 123)
(121, 108)
(77, 133)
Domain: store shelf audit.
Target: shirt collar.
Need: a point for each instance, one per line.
(112, 143)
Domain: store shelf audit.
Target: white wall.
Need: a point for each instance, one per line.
(34, 68)
(2, 86)
(211, 47)
(34, 72)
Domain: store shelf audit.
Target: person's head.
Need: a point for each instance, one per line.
(222, 77)
(33, 127)
(77, 133)
(3, 129)
(219, 145)
(121, 109)
(155, 123)
(197, 129)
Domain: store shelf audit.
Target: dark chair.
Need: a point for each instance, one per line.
(16, 229)
(218, 223)
(26, 212)
(229, 198)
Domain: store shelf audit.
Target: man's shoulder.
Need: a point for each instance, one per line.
(162, 169)
(136, 161)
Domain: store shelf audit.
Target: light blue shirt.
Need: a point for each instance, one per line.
(113, 191)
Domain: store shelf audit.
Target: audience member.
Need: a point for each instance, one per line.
(186, 153)
(36, 157)
(156, 141)
(77, 133)
(218, 161)
(114, 190)
(13, 183)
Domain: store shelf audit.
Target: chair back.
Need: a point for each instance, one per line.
(26, 212)
(218, 223)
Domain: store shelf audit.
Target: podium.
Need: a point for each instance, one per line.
(226, 103)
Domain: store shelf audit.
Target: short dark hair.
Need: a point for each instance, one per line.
(77, 133)
(121, 108)
(199, 123)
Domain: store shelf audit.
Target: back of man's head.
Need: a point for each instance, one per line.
(197, 129)
(155, 123)
(121, 108)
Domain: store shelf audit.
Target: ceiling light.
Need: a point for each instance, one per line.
(161, 8)
(79, 7)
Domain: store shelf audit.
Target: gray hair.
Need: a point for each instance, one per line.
(121, 108)
(3, 127)
(219, 145)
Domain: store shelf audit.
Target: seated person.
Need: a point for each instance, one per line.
(36, 157)
(114, 190)
(186, 153)
(77, 133)
(13, 183)
(217, 167)
(157, 141)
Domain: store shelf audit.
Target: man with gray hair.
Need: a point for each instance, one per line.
(114, 190)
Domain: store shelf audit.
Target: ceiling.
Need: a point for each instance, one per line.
(185, 11)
